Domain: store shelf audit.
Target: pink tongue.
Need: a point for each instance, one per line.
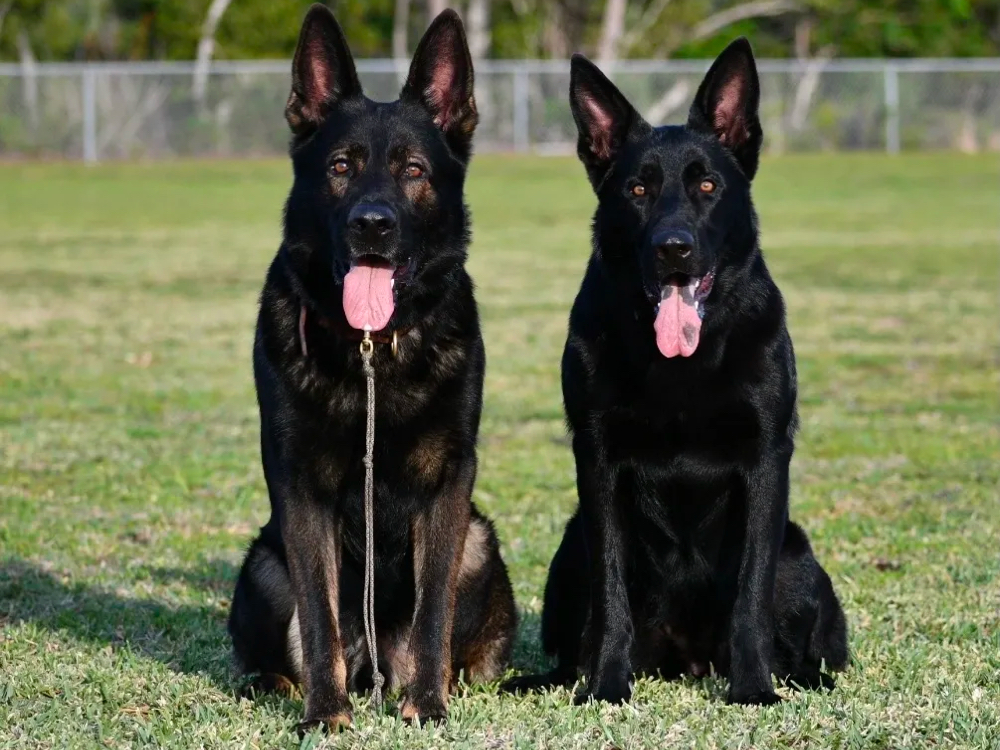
(368, 302)
(677, 323)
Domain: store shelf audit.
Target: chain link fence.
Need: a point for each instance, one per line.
(103, 111)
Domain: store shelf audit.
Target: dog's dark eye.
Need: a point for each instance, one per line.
(413, 171)
(341, 166)
(707, 186)
(638, 190)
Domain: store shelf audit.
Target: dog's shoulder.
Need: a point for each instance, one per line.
(756, 332)
(278, 312)
(588, 325)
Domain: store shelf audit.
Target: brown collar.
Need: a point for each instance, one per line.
(346, 332)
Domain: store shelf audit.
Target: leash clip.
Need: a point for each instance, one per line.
(368, 346)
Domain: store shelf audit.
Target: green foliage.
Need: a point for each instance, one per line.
(169, 29)
(909, 28)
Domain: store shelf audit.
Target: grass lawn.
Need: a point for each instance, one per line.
(130, 480)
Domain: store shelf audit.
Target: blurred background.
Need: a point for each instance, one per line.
(114, 79)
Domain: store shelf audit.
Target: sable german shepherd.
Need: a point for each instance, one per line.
(375, 239)
(679, 384)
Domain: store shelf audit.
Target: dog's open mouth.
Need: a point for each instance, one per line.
(680, 312)
(370, 292)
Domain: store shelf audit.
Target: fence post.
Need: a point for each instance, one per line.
(89, 115)
(891, 76)
(521, 118)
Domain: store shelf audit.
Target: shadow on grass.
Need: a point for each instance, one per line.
(217, 576)
(527, 655)
(188, 639)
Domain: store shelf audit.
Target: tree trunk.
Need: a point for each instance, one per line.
(434, 8)
(640, 27)
(808, 82)
(29, 78)
(4, 10)
(755, 9)
(612, 28)
(671, 100)
(206, 47)
(803, 37)
(674, 99)
(555, 40)
(478, 22)
(807, 86)
(400, 28)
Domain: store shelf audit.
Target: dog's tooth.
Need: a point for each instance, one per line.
(392, 283)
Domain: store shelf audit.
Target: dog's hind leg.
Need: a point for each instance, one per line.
(485, 615)
(810, 631)
(262, 617)
(564, 614)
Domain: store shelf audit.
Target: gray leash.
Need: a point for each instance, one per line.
(368, 606)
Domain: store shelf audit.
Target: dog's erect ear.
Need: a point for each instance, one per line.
(727, 102)
(442, 80)
(604, 118)
(322, 72)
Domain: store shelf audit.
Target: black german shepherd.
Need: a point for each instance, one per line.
(679, 384)
(375, 238)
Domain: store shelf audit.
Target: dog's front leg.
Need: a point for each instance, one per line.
(313, 545)
(611, 629)
(438, 540)
(751, 637)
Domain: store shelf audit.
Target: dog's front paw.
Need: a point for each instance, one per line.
(609, 690)
(424, 708)
(760, 698)
(333, 723)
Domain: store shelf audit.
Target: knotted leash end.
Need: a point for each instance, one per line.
(379, 681)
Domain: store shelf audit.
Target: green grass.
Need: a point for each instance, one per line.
(130, 480)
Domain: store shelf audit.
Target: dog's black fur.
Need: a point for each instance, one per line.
(443, 599)
(681, 554)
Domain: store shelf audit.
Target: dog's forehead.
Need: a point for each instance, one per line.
(673, 147)
(380, 126)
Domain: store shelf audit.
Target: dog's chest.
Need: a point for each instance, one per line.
(672, 421)
(407, 461)
(416, 429)
(345, 399)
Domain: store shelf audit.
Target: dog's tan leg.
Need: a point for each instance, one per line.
(438, 540)
(312, 542)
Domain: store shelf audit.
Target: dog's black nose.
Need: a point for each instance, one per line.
(372, 219)
(673, 244)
